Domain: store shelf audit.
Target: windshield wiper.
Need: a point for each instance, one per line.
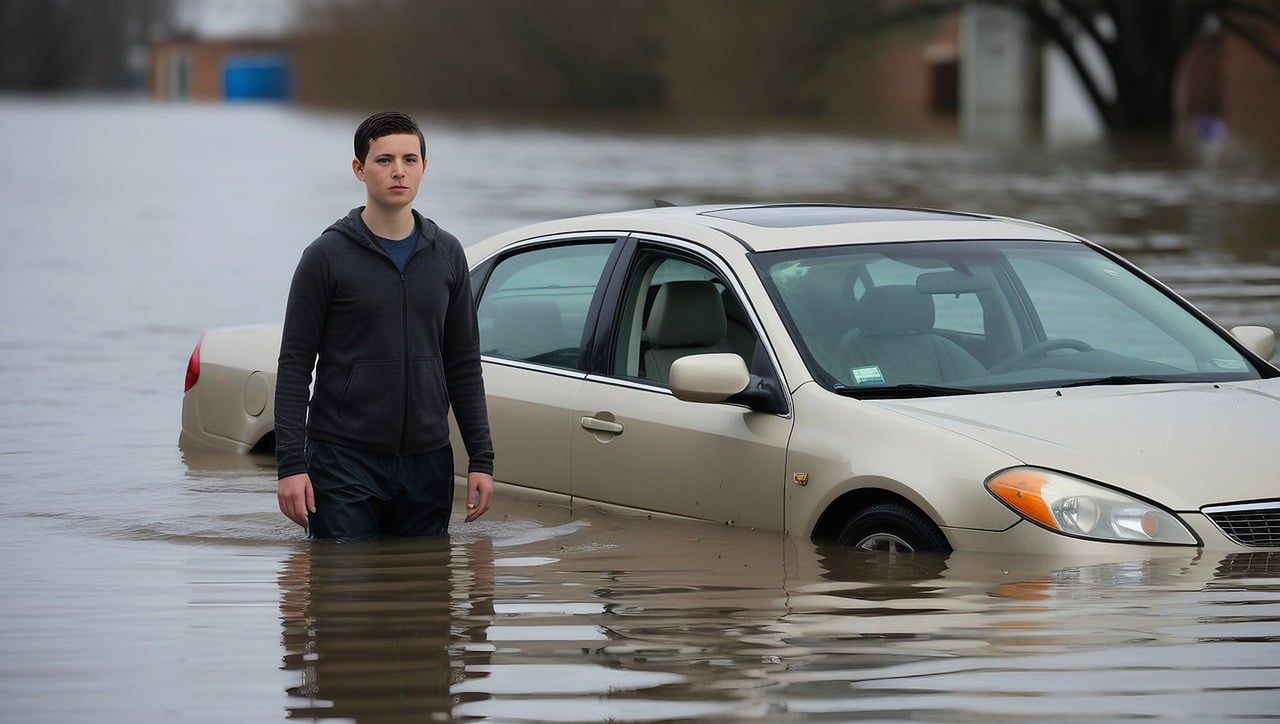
(1118, 380)
(908, 390)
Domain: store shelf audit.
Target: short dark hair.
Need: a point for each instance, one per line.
(386, 123)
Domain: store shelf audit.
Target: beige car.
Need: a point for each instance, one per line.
(890, 379)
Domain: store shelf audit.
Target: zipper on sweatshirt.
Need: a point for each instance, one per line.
(404, 327)
(404, 334)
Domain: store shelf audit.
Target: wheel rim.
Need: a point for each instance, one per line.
(885, 543)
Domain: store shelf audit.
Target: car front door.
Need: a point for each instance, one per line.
(634, 444)
(537, 302)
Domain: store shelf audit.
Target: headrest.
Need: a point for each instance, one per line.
(686, 314)
(895, 309)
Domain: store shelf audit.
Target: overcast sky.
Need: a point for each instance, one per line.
(238, 18)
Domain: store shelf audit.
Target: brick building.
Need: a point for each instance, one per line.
(219, 69)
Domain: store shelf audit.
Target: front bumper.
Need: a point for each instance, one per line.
(1027, 537)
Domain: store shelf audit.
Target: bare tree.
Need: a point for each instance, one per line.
(706, 57)
(1144, 43)
(74, 44)
(758, 56)
(557, 54)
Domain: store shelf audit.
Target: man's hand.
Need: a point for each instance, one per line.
(479, 493)
(296, 497)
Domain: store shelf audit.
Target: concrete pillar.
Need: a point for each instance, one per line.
(998, 75)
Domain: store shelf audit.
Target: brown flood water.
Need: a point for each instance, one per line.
(142, 584)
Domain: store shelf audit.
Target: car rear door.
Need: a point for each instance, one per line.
(536, 304)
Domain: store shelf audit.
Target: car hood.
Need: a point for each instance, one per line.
(1182, 445)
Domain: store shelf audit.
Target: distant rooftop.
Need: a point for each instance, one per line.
(786, 216)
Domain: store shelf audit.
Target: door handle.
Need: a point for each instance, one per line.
(597, 425)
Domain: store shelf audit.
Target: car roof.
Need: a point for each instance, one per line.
(770, 227)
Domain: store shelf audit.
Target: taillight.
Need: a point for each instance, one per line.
(193, 366)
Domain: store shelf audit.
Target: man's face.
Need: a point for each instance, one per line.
(392, 170)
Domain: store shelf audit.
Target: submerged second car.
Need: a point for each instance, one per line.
(891, 379)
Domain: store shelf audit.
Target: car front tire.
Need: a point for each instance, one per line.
(892, 528)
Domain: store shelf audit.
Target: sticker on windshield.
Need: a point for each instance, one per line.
(867, 375)
(1230, 364)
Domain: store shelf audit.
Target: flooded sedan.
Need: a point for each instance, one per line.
(884, 378)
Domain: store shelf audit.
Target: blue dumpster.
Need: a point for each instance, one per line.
(257, 77)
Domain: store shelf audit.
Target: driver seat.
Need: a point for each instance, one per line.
(895, 333)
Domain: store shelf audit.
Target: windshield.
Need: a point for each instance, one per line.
(954, 317)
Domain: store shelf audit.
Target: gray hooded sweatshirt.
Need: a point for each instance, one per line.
(395, 349)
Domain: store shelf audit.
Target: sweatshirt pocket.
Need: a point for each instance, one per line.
(428, 402)
(372, 402)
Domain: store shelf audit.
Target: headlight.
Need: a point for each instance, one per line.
(1076, 507)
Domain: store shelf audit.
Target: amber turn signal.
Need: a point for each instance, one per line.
(1020, 489)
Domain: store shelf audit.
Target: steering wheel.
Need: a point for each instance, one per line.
(1038, 350)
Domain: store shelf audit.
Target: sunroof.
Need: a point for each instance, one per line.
(790, 216)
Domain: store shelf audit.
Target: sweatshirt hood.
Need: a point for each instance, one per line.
(352, 226)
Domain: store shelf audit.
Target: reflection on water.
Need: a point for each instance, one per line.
(367, 627)
(141, 583)
(669, 620)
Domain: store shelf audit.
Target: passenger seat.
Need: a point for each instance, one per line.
(687, 318)
(895, 333)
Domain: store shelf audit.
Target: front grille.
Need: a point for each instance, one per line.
(1254, 564)
(1250, 524)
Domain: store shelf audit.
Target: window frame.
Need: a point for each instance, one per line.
(482, 271)
(605, 334)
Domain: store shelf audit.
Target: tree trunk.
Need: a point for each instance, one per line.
(1147, 44)
(1144, 101)
(1144, 60)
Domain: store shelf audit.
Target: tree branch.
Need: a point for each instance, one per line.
(1075, 10)
(1188, 27)
(1252, 37)
(1049, 26)
(1245, 7)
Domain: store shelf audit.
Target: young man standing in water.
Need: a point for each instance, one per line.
(383, 297)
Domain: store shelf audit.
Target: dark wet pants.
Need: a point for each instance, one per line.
(362, 495)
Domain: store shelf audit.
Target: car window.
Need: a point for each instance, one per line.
(534, 307)
(675, 307)
(883, 318)
(1070, 306)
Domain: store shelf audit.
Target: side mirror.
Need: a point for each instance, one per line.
(1260, 340)
(708, 377)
